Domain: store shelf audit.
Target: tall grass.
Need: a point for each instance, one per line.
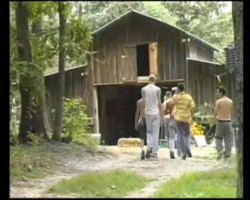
(211, 184)
(116, 183)
(30, 162)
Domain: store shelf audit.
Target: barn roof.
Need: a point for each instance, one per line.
(152, 18)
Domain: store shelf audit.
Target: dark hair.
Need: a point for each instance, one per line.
(222, 90)
(180, 87)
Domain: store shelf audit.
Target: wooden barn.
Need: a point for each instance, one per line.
(126, 51)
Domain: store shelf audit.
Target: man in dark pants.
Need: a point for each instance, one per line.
(171, 128)
(223, 112)
(182, 113)
(140, 124)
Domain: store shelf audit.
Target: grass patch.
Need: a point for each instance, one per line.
(211, 184)
(116, 183)
(27, 161)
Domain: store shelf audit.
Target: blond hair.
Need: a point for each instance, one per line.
(152, 78)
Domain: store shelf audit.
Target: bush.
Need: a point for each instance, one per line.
(13, 137)
(75, 122)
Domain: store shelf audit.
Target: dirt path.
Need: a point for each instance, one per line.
(127, 158)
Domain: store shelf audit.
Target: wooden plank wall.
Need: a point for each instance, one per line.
(203, 82)
(197, 51)
(112, 44)
(75, 87)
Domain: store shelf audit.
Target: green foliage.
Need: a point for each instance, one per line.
(212, 184)
(34, 139)
(109, 184)
(157, 10)
(13, 136)
(30, 162)
(98, 13)
(75, 122)
(78, 40)
(205, 20)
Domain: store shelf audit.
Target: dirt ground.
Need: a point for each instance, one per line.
(114, 157)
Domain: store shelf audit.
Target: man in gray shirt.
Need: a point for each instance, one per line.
(151, 94)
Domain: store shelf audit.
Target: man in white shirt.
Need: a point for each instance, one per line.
(151, 94)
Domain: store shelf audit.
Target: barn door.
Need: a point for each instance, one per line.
(153, 68)
(129, 68)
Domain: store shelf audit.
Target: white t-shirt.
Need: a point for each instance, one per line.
(151, 100)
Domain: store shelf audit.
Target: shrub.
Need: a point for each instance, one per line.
(13, 137)
(75, 124)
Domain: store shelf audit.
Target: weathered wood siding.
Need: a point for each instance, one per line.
(203, 81)
(76, 86)
(197, 51)
(115, 60)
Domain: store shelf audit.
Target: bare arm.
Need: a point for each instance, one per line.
(137, 115)
(215, 110)
(159, 104)
(165, 109)
(143, 94)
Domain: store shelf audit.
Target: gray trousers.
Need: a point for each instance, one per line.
(173, 132)
(224, 132)
(184, 134)
(166, 127)
(153, 128)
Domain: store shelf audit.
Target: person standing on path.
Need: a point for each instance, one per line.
(151, 94)
(166, 115)
(140, 124)
(182, 113)
(223, 113)
(170, 123)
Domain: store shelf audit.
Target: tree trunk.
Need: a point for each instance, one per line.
(40, 119)
(61, 84)
(237, 12)
(26, 57)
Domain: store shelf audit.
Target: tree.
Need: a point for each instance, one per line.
(207, 20)
(29, 58)
(159, 11)
(74, 41)
(98, 13)
(29, 101)
(187, 11)
(237, 11)
(61, 83)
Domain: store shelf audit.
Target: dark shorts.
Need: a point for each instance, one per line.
(142, 129)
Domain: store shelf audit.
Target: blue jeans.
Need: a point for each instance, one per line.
(184, 132)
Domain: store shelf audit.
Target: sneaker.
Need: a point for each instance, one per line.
(172, 155)
(220, 154)
(184, 157)
(142, 155)
(154, 158)
(189, 154)
(148, 154)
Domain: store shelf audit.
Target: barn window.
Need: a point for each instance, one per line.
(146, 55)
(142, 60)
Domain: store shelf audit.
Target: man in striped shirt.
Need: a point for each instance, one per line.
(182, 113)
